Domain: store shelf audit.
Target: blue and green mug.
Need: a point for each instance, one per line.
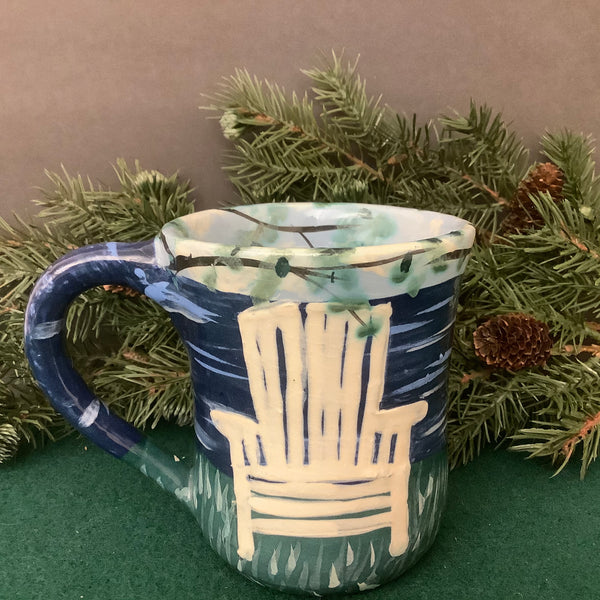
(319, 337)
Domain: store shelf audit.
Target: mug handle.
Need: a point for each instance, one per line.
(130, 264)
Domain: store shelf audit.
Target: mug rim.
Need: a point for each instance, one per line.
(461, 229)
(347, 273)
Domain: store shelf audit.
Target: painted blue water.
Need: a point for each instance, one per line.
(420, 342)
(416, 368)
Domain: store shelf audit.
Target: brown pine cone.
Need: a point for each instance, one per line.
(522, 213)
(513, 341)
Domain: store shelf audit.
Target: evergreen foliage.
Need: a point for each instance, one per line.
(337, 143)
(125, 346)
(340, 144)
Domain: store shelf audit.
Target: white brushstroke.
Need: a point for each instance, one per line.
(432, 340)
(445, 328)
(423, 497)
(208, 354)
(218, 493)
(211, 521)
(433, 390)
(303, 579)
(172, 301)
(112, 249)
(334, 580)
(273, 566)
(90, 414)
(435, 306)
(203, 437)
(441, 421)
(292, 560)
(417, 383)
(349, 555)
(183, 494)
(219, 371)
(199, 479)
(315, 578)
(407, 327)
(442, 360)
(430, 483)
(372, 559)
(367, 586)
(207, 486)
(226, 531)
(44, 331)
(255, 559)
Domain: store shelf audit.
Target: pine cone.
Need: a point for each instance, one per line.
(513, 341)
(522, 213)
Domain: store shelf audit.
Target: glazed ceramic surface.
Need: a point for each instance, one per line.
(319, 337)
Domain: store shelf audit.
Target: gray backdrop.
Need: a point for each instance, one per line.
(84, 82)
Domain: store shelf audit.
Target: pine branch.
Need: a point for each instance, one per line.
(482, 147)
(152, 385)
(347, 109)
(247, 102)
(484, 410)
(284, 152)
(264, 124)
(74, 213)
(354, 130)
(86, 212)
(583, 434)
(573, 154)
(569, 421)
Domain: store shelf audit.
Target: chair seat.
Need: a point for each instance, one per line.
(337, 474)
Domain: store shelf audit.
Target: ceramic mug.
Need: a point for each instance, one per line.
(319, 337)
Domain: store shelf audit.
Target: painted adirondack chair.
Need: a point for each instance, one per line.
(321, 459)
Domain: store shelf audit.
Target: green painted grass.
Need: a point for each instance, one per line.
(322, 566)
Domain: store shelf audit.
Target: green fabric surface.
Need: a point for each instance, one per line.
(77, 524)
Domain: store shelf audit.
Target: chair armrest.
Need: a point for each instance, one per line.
(392, 419)
(233, 425)
(241, 433)
(393, 427)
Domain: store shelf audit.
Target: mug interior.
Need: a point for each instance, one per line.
(314, 225)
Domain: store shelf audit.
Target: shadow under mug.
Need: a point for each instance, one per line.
(319, 337)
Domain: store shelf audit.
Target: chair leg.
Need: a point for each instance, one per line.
(244, 517)
(399, 511)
